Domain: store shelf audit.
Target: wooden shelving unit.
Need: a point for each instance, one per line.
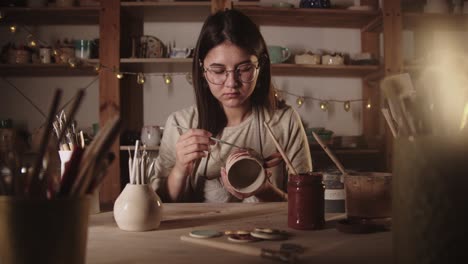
(308, 17)
(118, 20)
(51, 15)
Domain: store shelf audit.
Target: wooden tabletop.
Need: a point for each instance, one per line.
(108, 244)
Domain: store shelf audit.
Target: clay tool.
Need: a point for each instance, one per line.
(215, 139)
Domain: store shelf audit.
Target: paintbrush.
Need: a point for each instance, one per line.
(36, 184)
(280, 149)
(215, 139)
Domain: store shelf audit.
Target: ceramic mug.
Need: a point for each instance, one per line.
(180, 52)
(45, 55)
(278, 54)
(151, 135)
(83, 48)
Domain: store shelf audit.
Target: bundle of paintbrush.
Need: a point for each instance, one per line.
(83, 173)
(430, 110)
(72, 136)
(141, 166)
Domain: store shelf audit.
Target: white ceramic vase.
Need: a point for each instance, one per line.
(138, 208)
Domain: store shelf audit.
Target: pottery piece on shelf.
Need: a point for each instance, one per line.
(307, 58)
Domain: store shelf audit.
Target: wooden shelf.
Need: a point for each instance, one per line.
(50, 15)
(324, 70)
(277, 69)
(435, 21)
(189, 11)
(45, 70)
(155, 60)
(309, 17)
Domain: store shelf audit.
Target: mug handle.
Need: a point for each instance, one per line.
(286, 54)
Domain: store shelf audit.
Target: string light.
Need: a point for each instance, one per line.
(141, 78)
(368, 104)
(72, 62)
(1, 15)
(97, 67)
(119, 75)
(55, 52)
(13, 28)
(347, 106)
(167, 79)
(31, 41)
(300, 101)
(324, 106)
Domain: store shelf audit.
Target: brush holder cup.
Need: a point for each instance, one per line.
(43, 231)
(429, 222)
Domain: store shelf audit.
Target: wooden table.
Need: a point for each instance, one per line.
(108, 244)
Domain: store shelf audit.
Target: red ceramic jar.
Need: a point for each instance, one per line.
(306, 201)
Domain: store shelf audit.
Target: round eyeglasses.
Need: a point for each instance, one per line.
(245, 73)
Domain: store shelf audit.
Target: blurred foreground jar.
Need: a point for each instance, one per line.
(429, 216)
(306, 201)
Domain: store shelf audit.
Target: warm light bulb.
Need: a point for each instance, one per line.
(119, 75)
(13, 28)
(97, 67)
(73, 62)
(1, 15)
(141, 78)
(55, 52)
(276, 94)
(167, 79)
(368, 104)
(324, 106)
(31, 41)
(300, 101)
(347, 106)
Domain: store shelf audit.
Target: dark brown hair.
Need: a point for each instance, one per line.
(233, 26)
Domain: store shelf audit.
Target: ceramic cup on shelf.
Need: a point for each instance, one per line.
(45, 55)
(138, 208)
(278, 54)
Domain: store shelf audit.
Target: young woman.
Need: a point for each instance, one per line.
(234, 97)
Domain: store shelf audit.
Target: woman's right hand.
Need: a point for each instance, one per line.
(192, 145)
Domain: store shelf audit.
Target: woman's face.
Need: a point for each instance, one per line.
(241, 68)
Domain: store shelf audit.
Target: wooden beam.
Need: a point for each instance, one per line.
(392, 25)
(109, 92)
